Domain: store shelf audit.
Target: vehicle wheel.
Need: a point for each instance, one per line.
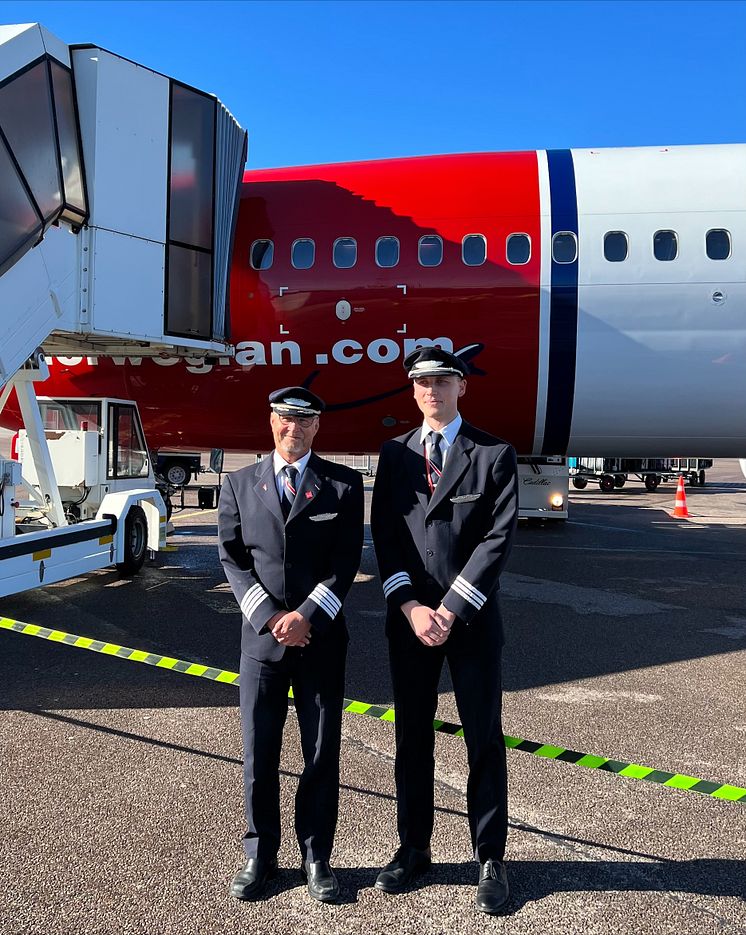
(701, 478)
(619, 480)
(606, 483)
(580, 482)
(135, 541)
(693, 479)
(652, 481)
(175, 473)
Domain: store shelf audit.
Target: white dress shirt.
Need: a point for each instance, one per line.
(448, 435)
(279, 463)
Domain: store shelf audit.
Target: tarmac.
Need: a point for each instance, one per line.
(626, 638)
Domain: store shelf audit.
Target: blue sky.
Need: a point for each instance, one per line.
(334, 81)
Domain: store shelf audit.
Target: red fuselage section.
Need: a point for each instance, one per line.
(285, 324)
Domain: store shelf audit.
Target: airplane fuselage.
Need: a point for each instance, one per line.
(600, 297)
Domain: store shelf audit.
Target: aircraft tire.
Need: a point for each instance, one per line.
(135, 541)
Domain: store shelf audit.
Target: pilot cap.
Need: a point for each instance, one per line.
(296, 401)
(432, 362)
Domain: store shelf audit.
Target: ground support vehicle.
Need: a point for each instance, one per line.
(543, 487)
(81, 494)
(613, 473)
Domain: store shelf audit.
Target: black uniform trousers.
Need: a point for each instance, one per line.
(474, 658)
(316, 674)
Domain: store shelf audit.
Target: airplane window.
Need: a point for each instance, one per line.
(665, 245)
(387, 251)
(718, 244)
(303, 253)
(430, 250)
(262, 254)
(616, 246)
(344, 253)
(518, 249)
(564, 247)
(474, 249)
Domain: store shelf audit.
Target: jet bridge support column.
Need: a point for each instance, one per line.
(36, 369)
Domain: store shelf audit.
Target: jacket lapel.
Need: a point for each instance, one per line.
(458, 460)
(266, 489)
(310, 485)
(415, 466)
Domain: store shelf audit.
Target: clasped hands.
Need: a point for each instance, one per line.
(290, 628)
(431, 627)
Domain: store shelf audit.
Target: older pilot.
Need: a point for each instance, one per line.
(443, 518)
(290, 538)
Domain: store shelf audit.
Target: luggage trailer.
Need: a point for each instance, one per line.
(613, 473)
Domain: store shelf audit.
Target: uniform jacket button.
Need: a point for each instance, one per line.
(430, 552)
(288, 564)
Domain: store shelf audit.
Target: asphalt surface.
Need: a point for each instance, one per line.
(626, 637)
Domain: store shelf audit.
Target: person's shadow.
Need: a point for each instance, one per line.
(532, 880)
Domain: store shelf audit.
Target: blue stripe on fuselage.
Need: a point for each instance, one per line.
(563, 320)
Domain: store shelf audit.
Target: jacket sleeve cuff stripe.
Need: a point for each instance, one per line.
(326, 599)
(469, 592)
(252, 599)
(399, 580)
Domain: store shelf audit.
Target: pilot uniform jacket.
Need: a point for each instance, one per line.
(305, 563)
(450, 546)
(447, 547)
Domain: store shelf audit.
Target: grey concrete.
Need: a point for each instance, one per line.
(121, 784)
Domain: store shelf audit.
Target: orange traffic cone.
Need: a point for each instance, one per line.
(679, 510)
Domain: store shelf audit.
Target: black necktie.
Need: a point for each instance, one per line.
(435, 458)
(289, 489)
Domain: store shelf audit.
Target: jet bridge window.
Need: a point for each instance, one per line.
(344, 252)
(718, 244)
(616, 246)
(262, 254)
(518, 249)
(387, 251)
(41, 177)
(430, 250)
(474, 249)
(190, 213)
(564, 247)
(303, 253)
(665, 245)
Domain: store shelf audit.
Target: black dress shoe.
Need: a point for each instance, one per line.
(322, 884)
(492, 892)
(407, 864)
(249, 882)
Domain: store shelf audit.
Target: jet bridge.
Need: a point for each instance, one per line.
(118, 201)
(119, 192)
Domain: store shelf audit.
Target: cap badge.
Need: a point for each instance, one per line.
(428, 364)
(309, 495)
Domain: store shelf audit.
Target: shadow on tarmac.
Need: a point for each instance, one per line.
(520, 826)
(181, 606)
